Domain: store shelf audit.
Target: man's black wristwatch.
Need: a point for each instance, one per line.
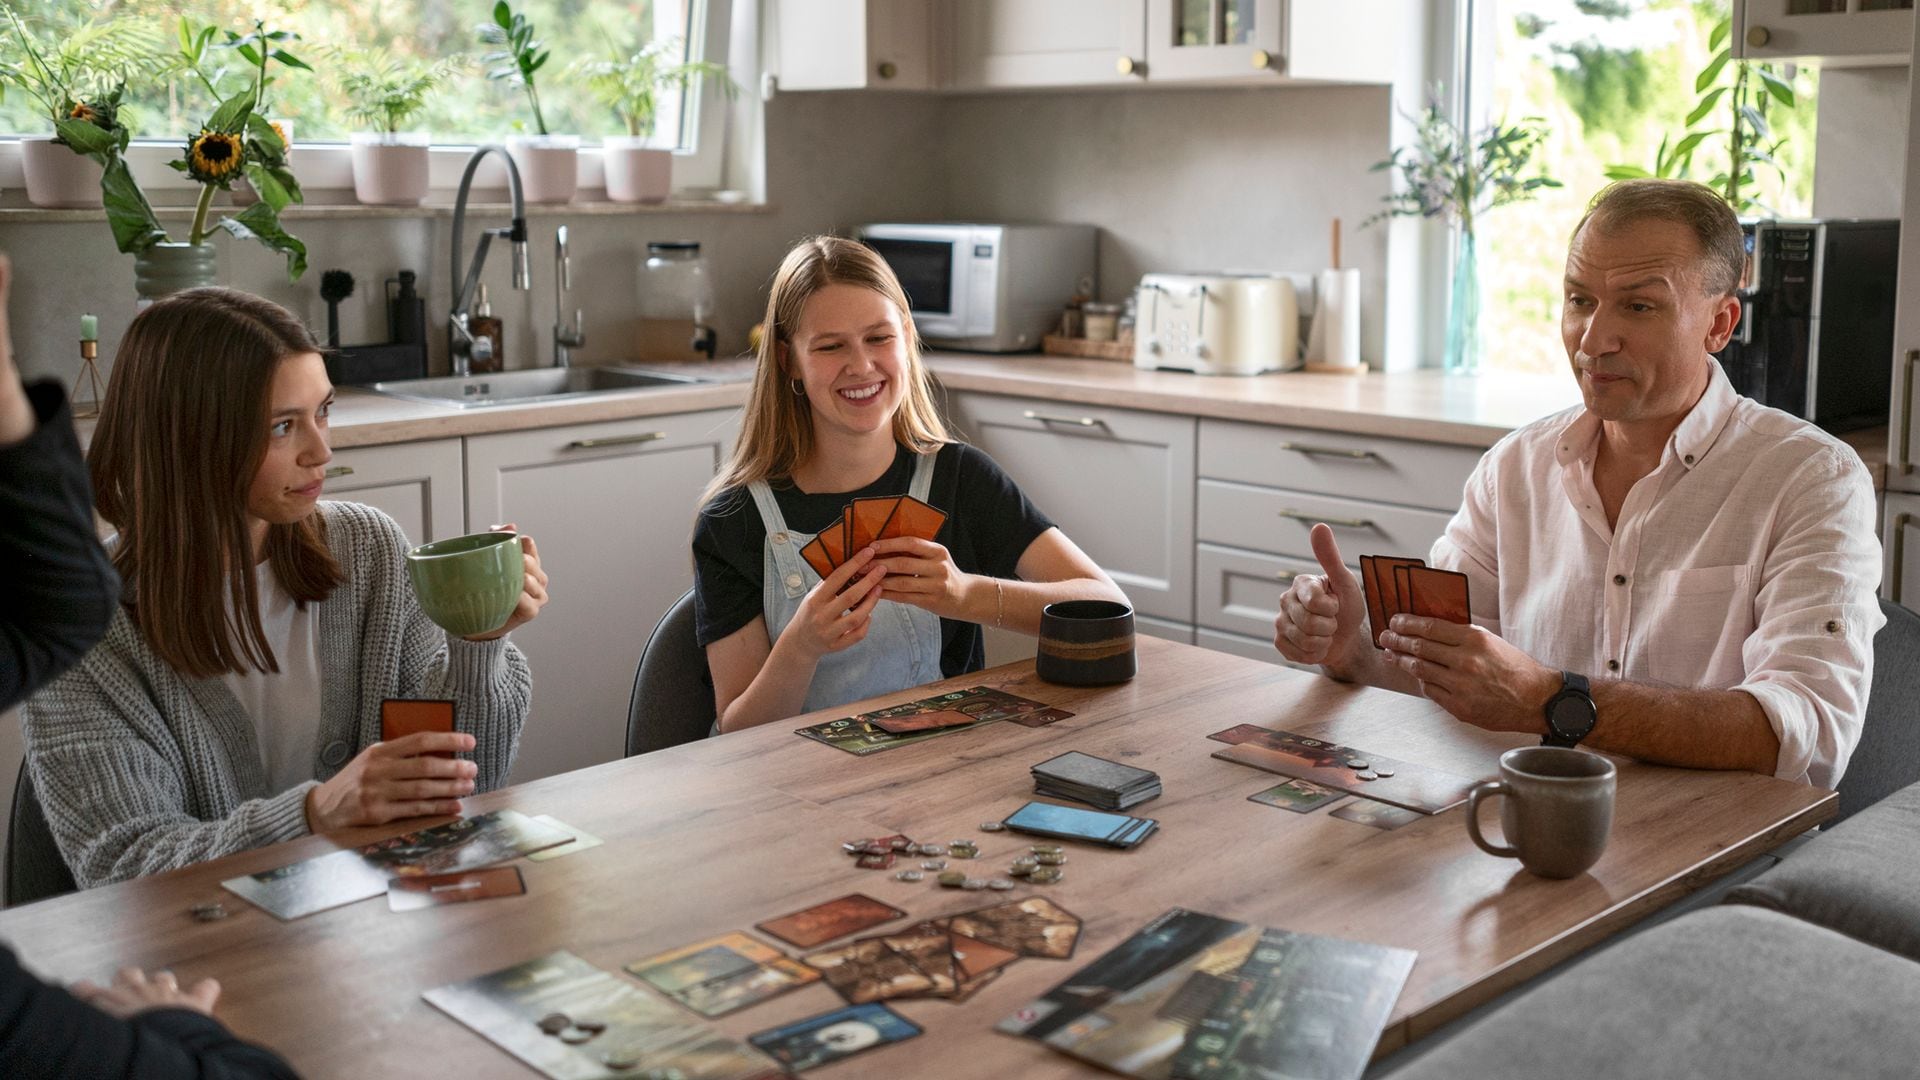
(1570, 713)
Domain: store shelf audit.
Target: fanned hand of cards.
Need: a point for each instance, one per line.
(1411, 587)
(865, 520)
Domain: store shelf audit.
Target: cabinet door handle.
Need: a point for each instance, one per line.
(1329, 451)
(337, 472)
(1338, 523)
(616, 440)
(1287, 576)
(1077, 421)
(1903, 457)
(1900, 523)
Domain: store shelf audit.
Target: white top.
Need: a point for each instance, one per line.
(285, 706)
(1748, 559)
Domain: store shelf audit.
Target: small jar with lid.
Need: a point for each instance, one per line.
(1102, 321)
(675, 303)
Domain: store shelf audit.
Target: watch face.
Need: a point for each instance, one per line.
(1572, 716)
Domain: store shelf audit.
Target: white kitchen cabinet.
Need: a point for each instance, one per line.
(1161, 628)
(1011, 44)
(1833, 32)
(1903, 428)
(855, 45)
(421, 485)
(1118, 482)
(1344, 41)
(611, 507)
(1900, 547)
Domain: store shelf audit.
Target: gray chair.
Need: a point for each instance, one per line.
(1888, 757)
(672, 699)
(35, 870)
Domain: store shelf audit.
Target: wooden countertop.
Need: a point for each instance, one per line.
(717, 835)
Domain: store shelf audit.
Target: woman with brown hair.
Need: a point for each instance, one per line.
(840, 409)
(235, 700)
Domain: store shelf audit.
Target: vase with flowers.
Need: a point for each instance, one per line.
(77, 81)
(1456, 177)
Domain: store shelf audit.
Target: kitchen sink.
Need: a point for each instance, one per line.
(535, 384)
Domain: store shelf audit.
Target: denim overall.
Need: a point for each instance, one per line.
(902, 646)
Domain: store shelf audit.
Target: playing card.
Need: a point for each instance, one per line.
(1377, 814)
(1345, 768)
(816, 555)
(722, 974)
(1441, 594)
(468, 844)
(973, 958)
(832, 1036)
(914, 518)
(870, 517)
(1391, 601)
(1370, 586)
(1298, 796)
(822, 923)
(922, 721)
(931, 951)
(867, 969)
(414, 893)
(400, 717)
(847, 548)
(1035, 926)
(581, 840)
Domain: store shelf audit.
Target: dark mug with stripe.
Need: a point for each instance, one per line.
(1085, 643)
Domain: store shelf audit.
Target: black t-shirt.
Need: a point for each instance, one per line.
(989, 526)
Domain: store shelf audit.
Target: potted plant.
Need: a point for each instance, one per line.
(390, 163)
(1458, 177)
(235, 142)
(628, 83)
(252, 49)
(548, 163)
(77, 83)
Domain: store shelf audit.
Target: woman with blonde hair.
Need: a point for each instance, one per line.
(236, 698)
(841, 409)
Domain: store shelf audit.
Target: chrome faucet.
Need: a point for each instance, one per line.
(565, 338)
(464, 347)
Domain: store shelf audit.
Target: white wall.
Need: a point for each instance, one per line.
(1860, 143)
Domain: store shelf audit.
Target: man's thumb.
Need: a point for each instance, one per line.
(1328, 552)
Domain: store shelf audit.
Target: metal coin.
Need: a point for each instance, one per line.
(574, 1036)
(1356, 763)
(900, 845)
(209, 912)
(1022, 867)
(952, 879)
(1045, 875)
(875, 849)
(1366, 774)
(591, 1027)
(854, 847)
(555, 1023)
(973, 884)
(1046, 849)
(999, 884)
(1382, 771)
(908, 875)
(1050, 860)
(934, 864)
(960, 844)
(991, 826)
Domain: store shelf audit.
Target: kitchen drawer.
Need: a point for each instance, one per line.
(1161, 628)
(420, 485)
(1118, 482)
(1239, 591)
(1366, 467)
(1900, 580)
(1251, 648)
(1277, 521)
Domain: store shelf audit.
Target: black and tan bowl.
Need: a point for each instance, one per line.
(1086, 643)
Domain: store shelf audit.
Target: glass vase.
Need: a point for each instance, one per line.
(1463, 309)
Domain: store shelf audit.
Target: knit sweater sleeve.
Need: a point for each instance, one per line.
(489, 681)
(112, 770)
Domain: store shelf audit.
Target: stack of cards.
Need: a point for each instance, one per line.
(1411, 587)
(1072, 823)
(946, 958)
(1108, 785)
(866, 520)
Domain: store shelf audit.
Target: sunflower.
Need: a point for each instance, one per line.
(83, 111)
(214, 157)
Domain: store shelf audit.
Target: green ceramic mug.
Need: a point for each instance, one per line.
(469, 585)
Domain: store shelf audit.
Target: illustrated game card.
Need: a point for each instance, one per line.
(864, 734)
(831, 1036)
(1298, 796)
(1034, 926)
(312, 885)
(822, 923)
(869, 969)
(1377, 814)
(1344, 768)
(468, 844)
(414, 893)
(717, 976)
(581, 840)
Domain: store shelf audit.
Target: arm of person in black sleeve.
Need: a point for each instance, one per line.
(47, 1032)
(59, 589)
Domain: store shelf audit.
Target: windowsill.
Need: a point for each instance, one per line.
(16, 215)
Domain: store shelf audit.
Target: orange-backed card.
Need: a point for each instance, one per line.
(1370, 591)
(1441, 594)
(816, 555)
(400, 717)
(870, 518)
(914, 518)
(414, 893)
(1392, 601)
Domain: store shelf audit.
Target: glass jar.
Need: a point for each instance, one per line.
(1102, 321)
(675, 303)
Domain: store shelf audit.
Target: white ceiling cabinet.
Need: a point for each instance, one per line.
(1008, 44)
(1834, 32)
(855, 44)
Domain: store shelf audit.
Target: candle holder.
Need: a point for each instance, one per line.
(90, 377)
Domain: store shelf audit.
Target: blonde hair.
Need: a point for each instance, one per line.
(776, 432)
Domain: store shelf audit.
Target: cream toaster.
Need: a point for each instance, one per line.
(1217, 324)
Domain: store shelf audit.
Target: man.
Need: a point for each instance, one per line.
(1671, 571)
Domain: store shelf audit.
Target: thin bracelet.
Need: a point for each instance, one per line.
(999, 604)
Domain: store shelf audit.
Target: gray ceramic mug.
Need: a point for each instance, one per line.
(1557, 810)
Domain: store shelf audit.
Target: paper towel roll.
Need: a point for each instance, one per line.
(1333, 342)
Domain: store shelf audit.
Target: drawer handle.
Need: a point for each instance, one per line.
(337, 472)
(1077, 421)
(1329, 451)
(1338, 523)
(616, 440)
(1904, 459)
(1287, 575)
(1900, 522)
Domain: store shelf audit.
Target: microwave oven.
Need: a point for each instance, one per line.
(1816, 320)
(986, 288)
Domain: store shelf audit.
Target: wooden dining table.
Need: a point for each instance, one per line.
(715, 836)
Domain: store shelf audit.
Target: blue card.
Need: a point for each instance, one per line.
(832, 1036)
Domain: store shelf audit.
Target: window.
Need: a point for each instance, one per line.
(1609, 79)
(466, 110)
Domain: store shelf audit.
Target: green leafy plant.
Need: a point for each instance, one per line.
(236, 141)
(383, 91)
(1742, 93)
(629, 81)
(81, 78)
(1447, 174)
(519, 57)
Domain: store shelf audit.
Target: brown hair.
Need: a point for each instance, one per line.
(776, 431)
(1723, 244)
(182, 431)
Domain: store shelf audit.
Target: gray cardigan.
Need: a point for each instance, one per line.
(142, 770)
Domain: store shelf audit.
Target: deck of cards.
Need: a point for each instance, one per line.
(866, 520)
(1073, 823)
(1095, 781)
(1411, 587)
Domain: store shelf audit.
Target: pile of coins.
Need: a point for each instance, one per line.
(575, 1032)
(208, 912)
(957, 879)
(1367, 770)
(1041, 865)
